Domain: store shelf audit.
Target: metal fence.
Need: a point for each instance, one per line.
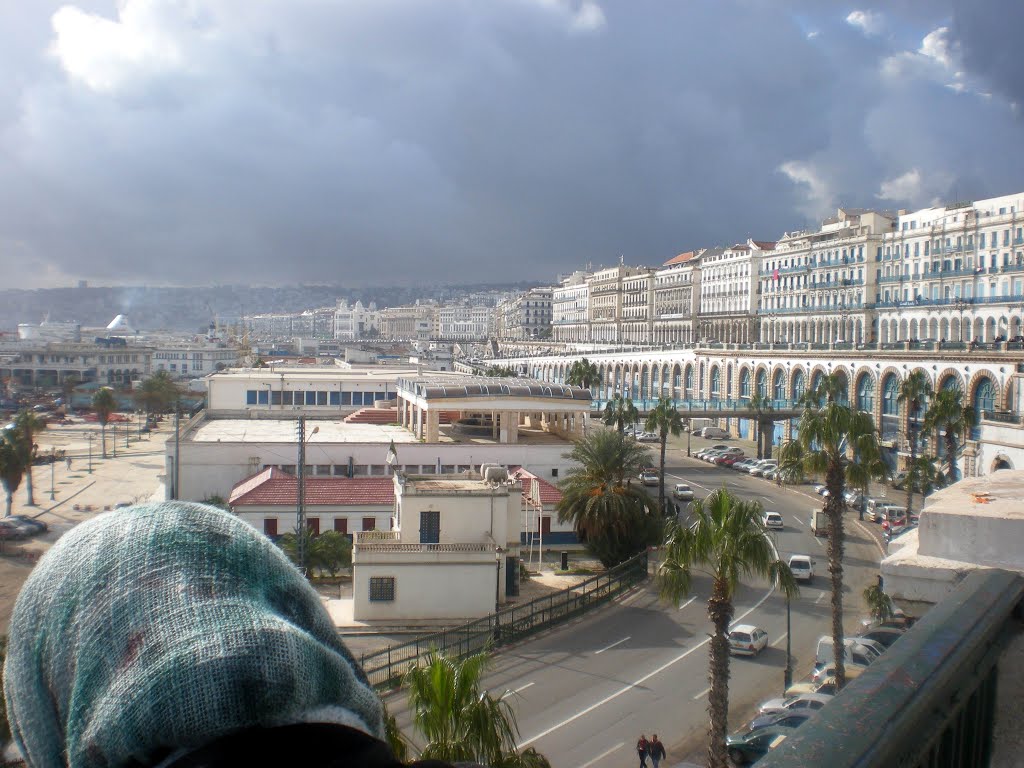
(385, 668)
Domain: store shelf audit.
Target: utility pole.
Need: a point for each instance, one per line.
(53, 460)
(126, 434)
(300, 512)
(90, 453)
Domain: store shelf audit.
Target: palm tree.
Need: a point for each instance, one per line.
(67, 388)
(727, 540)
(618, 411)
(663, 420)
(829, 436)
(761, 404)
(458, 721)
(104, 404)
(157, 393)
(23, 436)
(11, 470)
(615, 518)
(947, 414)
(923, 475)
(879, 604)
(914, 389)
(583, 373)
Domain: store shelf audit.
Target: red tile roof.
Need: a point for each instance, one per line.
(549, 494)
(273, 487)
(682, 258)
(764, 245)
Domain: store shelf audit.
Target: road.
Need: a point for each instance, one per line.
(585, 692)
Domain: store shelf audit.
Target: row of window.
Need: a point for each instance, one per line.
(373, 470)
(309, 397)
(270, 525)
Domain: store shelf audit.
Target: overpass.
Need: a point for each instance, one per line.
(770, 410)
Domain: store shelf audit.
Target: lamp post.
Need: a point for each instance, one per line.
(300, 511)
(90, 453)
(53, 460)
(960, 306)
(787, 675)
(497, 592)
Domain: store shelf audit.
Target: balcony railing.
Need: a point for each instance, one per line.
(1004, 417)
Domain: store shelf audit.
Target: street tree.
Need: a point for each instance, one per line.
(664, 420)
(104, 404)
(459, 722)
(12, 470)
(618, 411)
(839, 443)
(948, 415)
(67, 388)
(914, 390)
(728, 541)
(157, 394)
(333, 551)
(879, 604)
(615, 518)
(26, 425)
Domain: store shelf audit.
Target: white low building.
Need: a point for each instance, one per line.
(452, 554)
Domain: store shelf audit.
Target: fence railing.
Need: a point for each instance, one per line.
(385, 668)
(930, 699)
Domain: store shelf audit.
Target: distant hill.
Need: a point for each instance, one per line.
(192, 308)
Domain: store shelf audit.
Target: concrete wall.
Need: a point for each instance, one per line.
(286, 518)
(428, 590)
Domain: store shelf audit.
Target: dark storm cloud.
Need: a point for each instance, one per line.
(367, 142)
(988, 32)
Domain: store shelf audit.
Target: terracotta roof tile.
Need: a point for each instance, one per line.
(549, 494)
(682, 258)
(272, 487)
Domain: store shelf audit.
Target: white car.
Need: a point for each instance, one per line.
(648, 437)
(747, 640)
(802, 567)
(772, 520)
(683, 492)
(805, 702)
(702, 451)
(763, 466)
(744, 465)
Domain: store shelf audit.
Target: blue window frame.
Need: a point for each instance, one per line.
(263, 397)
(335, 398)
(250, 397)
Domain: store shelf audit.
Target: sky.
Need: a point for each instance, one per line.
(375, 142)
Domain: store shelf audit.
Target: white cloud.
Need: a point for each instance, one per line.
(937, 59)
(105, 54)
(589, 17)
(813, 34)
(818, 198)
(869, 22)
(936, 46)
(905, 187)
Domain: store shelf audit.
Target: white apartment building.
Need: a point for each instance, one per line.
(48, 364)
(727, 292)
(818, 286)
(413, 322)
(356, 321)
(192, 361)
(638, 307)
(569, 308)
(954, 272)
(458, 322)
(313, 323)
(524, 316)
(675, 286)
(606, 302)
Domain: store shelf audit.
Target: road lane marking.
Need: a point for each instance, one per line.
(617, 642)
(818, 601)
(703, 693)
(766, 498)
(603, 755)
(522, 688)
(687, 602)
(819, 542)
(798, 521)
(640, 681)
(780, 639)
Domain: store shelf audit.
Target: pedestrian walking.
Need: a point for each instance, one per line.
(67, 460)
(642, 750)
(656, 750)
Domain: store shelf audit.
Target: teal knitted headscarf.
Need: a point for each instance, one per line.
(160, 627)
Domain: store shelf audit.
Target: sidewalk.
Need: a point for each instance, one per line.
(134, 475)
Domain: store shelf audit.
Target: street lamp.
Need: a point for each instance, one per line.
(787, 675)
(498, 551)
(960, 305)
(53, 460)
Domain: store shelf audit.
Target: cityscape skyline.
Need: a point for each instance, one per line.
(148, 141)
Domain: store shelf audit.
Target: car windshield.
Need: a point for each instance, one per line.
(741, 637)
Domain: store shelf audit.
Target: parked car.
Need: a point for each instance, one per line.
(726, 459)
(764, 465)
(747, 640)
(820, 488)
(750, 747)
(744, 464)
(648, 437)
(806, 701)
(802, 567)
(771, 473)
(782, 719)
(30, 524)
(884, 635)
(11, 531)
(825, 688)
(772, 520)
(828, 671)
(710, 456)
(683, 492)
(893, 516)
(700, 454)
(852, 498)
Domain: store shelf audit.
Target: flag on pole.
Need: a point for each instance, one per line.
(392, 457)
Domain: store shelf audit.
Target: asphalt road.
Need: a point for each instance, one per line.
(585, 692)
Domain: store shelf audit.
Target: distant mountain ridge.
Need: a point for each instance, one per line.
(192, 308)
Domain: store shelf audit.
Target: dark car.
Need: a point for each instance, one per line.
(781, 719)
(30, 524)
(11, 531)
(884, 635)
(749, 747)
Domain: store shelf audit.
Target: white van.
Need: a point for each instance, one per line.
(698, 424)
(856, 653)
(802, 567)
(714, 433)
